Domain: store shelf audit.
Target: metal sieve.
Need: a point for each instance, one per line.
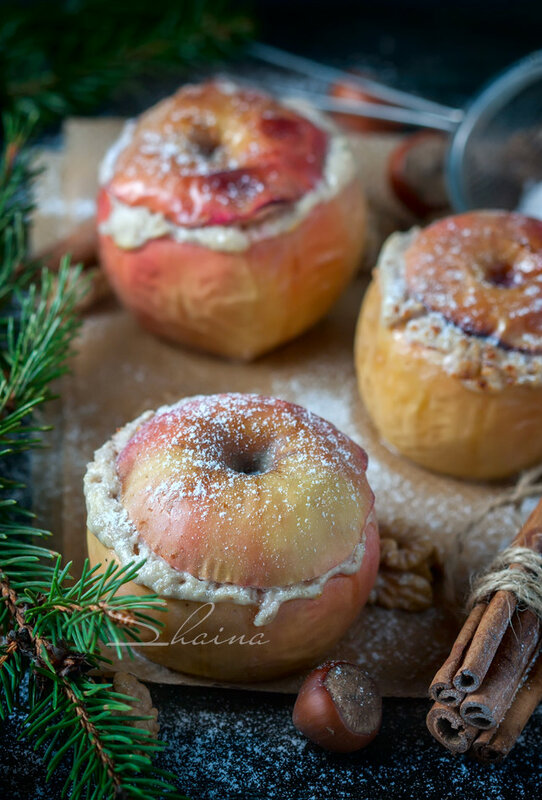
(495, 153)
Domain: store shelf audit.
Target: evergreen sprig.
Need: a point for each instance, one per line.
(90, 609)
(55, 59)
(90, 721)
(35, 343)
(68, 56)
(52, 626)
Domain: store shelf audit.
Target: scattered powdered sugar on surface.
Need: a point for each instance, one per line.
(255, 751)
(473, 359)
(237, 746)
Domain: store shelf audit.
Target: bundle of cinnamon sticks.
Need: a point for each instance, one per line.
(491, 683)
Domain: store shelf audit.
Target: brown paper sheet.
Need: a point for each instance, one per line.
(119, 371)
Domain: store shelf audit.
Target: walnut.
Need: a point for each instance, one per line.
(126, 683)
(405, 579)
(405, 555)
(404, 590)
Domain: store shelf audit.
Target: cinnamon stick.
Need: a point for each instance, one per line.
(442, 689)
(491, 657)
(494, 744)
(447, 727)
(485, 642)
(486, 707)
(496, 620)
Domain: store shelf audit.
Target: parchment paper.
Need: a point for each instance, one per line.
(120, 370)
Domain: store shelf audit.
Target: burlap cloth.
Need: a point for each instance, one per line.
(120, 370)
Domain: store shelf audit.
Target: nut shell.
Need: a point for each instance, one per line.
(338, 707)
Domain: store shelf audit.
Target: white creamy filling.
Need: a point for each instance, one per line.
(132, 226)
(108, 520)
(477, 361)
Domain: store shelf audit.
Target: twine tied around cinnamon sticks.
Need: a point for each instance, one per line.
(492, 681)
(525, 583)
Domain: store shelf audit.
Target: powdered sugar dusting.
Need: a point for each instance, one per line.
(197, 470)
(253, 750)
(482, 271)
(131, 226)
(215, 462)
(479, 362)
(213, 155)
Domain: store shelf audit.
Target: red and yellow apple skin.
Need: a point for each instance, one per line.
(217, 154)
(238, 304)
(186, 491)
(299, 636)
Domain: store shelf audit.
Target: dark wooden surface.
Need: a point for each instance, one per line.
(225, 745)
(240, 746)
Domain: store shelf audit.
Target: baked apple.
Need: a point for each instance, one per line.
(228, 221)
(255, 522)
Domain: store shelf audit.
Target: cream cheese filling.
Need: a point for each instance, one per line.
(108, 520)
(478, 362)
(131, 227)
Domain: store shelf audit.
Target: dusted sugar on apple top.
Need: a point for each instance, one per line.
(449, 344)
(254, 518)
(229, 221)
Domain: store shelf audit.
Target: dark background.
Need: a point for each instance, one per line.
(226, 744)
(443, 49)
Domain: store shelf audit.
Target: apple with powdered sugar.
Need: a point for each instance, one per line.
(256, 523)
(228, 221)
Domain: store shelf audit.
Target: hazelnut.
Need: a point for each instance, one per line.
(338, 707)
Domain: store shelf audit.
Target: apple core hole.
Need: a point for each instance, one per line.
(250, 463)
(204, 140)
(501, 274)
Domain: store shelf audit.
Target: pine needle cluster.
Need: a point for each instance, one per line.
(52, 626)
(68, 56)
(55, 59)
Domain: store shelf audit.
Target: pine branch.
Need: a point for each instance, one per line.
(91, 610)
(37, 343)
(74, 712)
(110, 756)
(16, 172)
(104, 45)
(51, 626)
(71, 711)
